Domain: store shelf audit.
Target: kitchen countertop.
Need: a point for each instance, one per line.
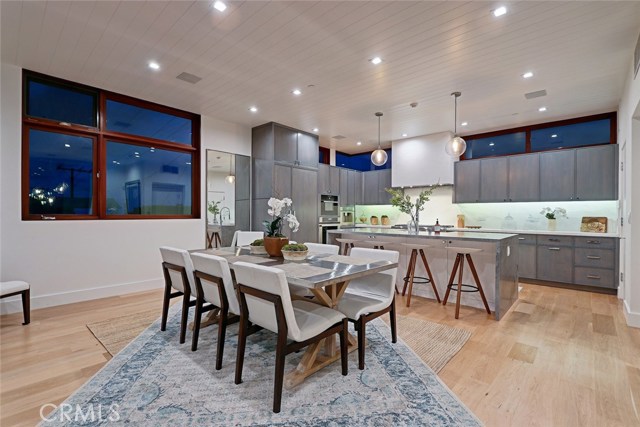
(543, 232)
(454, 235)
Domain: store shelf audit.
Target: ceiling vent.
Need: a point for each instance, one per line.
(339, 137)
(189, 78)
(536, 94)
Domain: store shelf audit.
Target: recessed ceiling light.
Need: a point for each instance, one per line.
(491, 144)
(375, 61)
(499, 11)
(218, 5)
(136, 153)
(315, 129)
(296, 92)
(114, 162)
(464, 124)
(554, 136)
(404, 134)
(359, 143)
(154, 65)
(527, 75)
(542, 109)
(67, 145)
(253, 109)
(187, 163)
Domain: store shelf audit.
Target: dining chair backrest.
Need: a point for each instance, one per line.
(244, 238)
(380, 284)
(261, 311)
(321, 248)
(180, 258)
(218, 267)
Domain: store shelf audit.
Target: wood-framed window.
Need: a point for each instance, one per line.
(586, 131)
(92, 154)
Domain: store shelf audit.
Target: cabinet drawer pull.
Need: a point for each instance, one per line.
(554, 249)
(554, 240)
(593, 242)
(592, 257)
(591, 276)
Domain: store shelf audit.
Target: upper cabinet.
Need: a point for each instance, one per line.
(374, 185)
(421, 161)
(328, 179)
(273, 141)
(563, 175)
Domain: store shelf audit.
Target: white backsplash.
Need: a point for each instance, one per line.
(523, 216)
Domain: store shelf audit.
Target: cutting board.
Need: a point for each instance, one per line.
(594, 224)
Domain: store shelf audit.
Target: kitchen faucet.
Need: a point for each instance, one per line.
(222, 214)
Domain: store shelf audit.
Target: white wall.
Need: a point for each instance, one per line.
(421, 161)
(629, 132)
(69, 261)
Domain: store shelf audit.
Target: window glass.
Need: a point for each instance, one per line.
(60, 173)
(511, 143)
(574, 135)
(361, 162)
(147, 181)
(57, 102)
(126, 118)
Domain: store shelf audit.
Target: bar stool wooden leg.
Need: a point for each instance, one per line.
(218, 241)
(426, 266)
(453, 275)
(459, 286)
(477, 279)
(414, 261)
(409, 272)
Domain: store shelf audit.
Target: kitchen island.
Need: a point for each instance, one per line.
(497, 264)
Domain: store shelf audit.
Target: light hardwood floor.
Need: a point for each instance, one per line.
(559, 358)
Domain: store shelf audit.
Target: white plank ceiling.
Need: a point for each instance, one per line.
(256, 53)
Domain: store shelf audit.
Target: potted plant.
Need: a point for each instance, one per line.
(403, 203)
(274, 239)
(294, 252)
(552, 215)
(214, 210)
(257, 247)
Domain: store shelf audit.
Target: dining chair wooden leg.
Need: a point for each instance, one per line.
(279, 378)
(197, 319)
(344, 352)
(26, 306)
(477, 279)
(392, 321)
(461, 266)
(361, 342)
(453, 275)
(433, 282)
(222, 329)
(165, 306)
(242, 341)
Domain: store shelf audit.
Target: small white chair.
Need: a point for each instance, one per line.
(321, 248)
(18, 287)
(371, 296)
(265, 301)
(244, 238)
(178, 275)
(214, 285)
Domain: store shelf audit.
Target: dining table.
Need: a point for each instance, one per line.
(327, 277)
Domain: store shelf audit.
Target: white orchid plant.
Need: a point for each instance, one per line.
(273, 227)
(554, 213)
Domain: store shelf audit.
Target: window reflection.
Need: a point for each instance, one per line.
(574, 135)
(511, 143)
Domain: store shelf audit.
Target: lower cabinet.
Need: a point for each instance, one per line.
(527, 261)
(555, 264)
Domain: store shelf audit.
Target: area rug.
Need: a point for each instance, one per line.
(114, 334)
(155, 381)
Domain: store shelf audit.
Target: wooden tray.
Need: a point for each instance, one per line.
(594, 224)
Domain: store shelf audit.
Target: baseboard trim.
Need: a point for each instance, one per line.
(633, 319)
(14, 304)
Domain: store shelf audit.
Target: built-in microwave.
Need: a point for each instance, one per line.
(329, 205)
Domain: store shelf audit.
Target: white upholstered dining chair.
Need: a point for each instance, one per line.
(265, 301)
(370, 296)
(18, 287)
(244, 238)
(321, 248)
(178, 276)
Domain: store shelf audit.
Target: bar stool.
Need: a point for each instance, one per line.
(213, 236)
(461, 253)
(410, 277)
(346, 244)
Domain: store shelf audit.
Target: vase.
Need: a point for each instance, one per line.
(273, 245)
(551, 224)
(413, 226)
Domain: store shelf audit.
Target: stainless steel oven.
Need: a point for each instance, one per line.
(329, 205)
(324, 225)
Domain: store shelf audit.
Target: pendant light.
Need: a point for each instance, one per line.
(456, 145)
(379, 156)
(231, 177)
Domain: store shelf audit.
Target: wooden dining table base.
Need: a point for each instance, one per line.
(323, 352)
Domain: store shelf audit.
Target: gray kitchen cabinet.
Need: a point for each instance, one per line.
(384, 182)
(467, 181)
(243, 178)
(524, 178)
(308, 149)
(328, 179)
(285, 144)
(346, 199)
(370, 188)
(273, 141)
(358, 193)
(494, 174)
(305, 204)
(597, 173)
(557, 175)
(262, 179)
(242, 215)
(282, 181)
(527, 255)
(555, 263)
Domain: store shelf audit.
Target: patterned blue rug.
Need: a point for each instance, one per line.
(155, 381)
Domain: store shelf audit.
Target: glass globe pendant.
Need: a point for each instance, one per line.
(379, 156)
(231, 177)
(456, 146)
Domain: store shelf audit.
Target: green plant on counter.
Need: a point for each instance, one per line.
(553, 214)
(403, 202)
(258, 242)
(295, 247)
(213, 208)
